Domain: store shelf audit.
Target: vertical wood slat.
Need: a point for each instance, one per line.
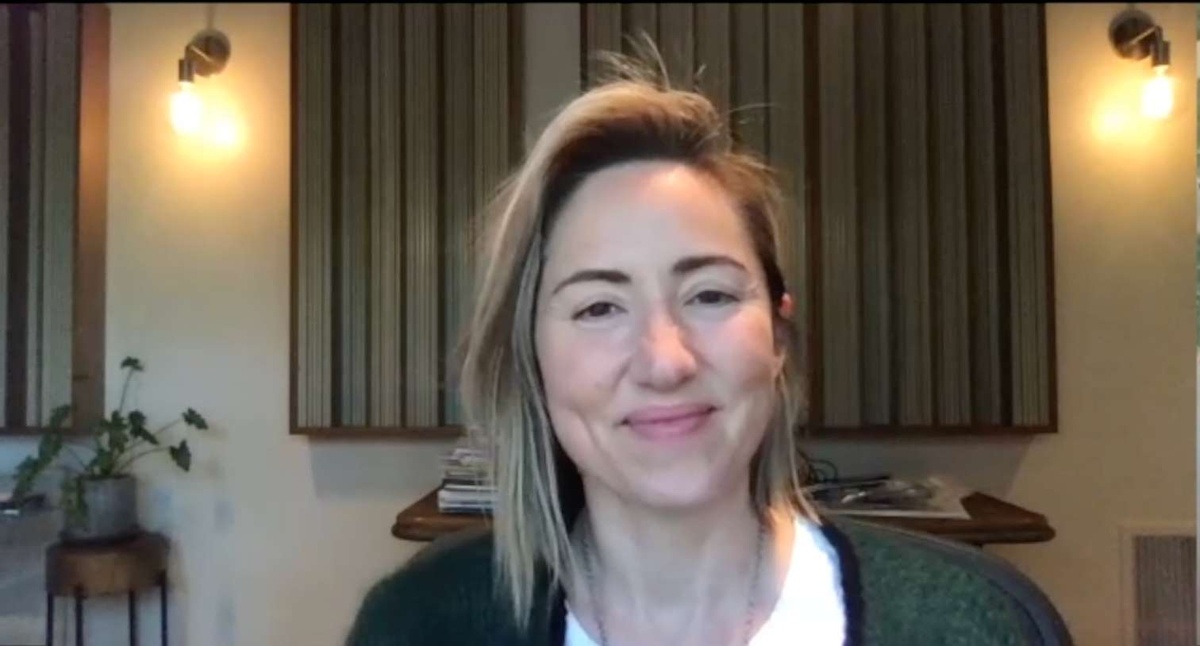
(908, 160)
(985, 360)
(712, 20)
(1026, 216)
(387, 231)
(60, 185)
(492, 118)
(353, 272)
(839, 261)
(458, 184)
(873, 204)
(946, 117)
(786, 151)
(421, 215)
(638, 20)
(603, 34)
(34, 233)
(91, 213)
(676, 42)
(314, 121)
(5, 191)
(750, 108)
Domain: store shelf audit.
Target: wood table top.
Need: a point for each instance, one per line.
(992, 521)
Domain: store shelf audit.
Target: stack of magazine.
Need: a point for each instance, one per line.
(467, 486)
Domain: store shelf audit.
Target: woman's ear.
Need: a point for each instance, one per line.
(786, 307)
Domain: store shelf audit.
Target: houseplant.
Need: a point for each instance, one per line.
(99, 495)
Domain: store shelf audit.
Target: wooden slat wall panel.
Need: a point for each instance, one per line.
(34, 291)
(1026, 216)
(839, 262)
(947, 94)
(986, 402)
(870, 59)
(314, 214)
(353, 210)
(713, 52)
(602, 34)
(421, 214)
(786, 150)
(387, 218)
(750, 108)
(908, 159)
(459, 183)
(676, 41)
(5, 94)
(405, 124)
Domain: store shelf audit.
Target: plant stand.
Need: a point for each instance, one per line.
(83, 570)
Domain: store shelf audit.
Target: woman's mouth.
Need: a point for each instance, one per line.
(669, 422)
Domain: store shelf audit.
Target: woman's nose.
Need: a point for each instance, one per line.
(664, 359)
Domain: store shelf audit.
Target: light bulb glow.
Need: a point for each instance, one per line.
(1158, 95)
(187, 110)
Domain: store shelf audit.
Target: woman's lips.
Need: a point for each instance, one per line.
(669, 422)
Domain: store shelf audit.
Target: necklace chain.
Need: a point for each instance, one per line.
(594, 590)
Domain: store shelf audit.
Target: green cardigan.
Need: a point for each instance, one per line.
(899, 588)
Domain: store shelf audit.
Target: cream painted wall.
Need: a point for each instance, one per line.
(277, 538)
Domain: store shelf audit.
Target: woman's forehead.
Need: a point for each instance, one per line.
(645, 211)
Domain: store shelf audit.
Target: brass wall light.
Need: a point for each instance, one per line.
(206, 55)
(1134, 35)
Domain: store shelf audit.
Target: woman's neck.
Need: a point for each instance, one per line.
(681, 567)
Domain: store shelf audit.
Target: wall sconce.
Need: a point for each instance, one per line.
(1135, 36)
(206, 54)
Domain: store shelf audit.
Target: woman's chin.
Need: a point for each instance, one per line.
(676, 491)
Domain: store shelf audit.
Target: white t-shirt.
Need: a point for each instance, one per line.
(810, 605)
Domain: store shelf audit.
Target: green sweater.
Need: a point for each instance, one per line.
(899, 589)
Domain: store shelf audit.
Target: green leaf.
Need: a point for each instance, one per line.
(72, 498)
(194, 419)
(58, 416)
(104, 462)
(117, 419)
(182, 455)
(27, 473)
(137, 428)
(117, 440)
(133, 364)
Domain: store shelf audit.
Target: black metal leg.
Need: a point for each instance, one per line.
(49, 620)
(78, 616)
(162, 583)
(133, 636)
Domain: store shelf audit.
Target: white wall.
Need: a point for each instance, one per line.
(278, 537)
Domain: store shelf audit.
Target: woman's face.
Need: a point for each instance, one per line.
(655, 337)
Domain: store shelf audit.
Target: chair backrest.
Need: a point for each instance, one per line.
(981, 591)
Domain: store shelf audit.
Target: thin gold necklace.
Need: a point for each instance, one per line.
(594, 589)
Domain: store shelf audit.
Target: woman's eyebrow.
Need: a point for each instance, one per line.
(692, 263)
(681, 267)
(584, 275)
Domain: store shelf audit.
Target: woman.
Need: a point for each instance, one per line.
(630, 356)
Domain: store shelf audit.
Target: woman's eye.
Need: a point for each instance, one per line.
(598, 310)
(713, 297)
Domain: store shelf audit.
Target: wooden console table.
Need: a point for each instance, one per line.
(992, 521)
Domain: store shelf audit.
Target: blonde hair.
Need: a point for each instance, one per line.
(634, 115)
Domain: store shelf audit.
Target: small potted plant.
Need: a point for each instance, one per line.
(99, 496)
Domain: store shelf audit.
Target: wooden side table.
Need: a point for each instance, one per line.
(89, 570)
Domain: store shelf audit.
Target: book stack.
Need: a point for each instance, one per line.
(466, 480)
